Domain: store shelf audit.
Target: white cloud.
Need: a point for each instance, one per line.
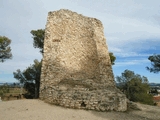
(133, 48)
(131, 54)
(115, 50)
(131, 62)
(129, 29)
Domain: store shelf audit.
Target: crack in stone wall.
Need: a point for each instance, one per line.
(76, 68)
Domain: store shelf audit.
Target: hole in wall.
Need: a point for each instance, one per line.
(83, 104)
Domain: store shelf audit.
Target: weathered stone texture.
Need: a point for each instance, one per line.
(76, 68)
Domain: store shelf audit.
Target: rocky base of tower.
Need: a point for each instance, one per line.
(99, 100)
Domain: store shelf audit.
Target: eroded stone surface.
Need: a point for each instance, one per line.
(76, 68)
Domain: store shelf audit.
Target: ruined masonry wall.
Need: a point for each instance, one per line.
(76, 68)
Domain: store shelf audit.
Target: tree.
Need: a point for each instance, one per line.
(135, 87)
(38, 38)
(112, 58)
(30, 88)
(155, 63)
(5, 50)
(30, 77)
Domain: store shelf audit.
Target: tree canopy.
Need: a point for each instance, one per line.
(30, 77)
(135, 87)
(38, 38)
(5, 50)
(155, 63)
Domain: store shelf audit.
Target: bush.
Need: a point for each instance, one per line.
(135, 87)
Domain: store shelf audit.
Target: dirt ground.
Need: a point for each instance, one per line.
(158, 104)
(38, 110)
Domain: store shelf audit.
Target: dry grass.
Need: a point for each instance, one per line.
(13, 94)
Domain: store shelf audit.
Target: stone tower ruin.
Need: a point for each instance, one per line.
(76, 69)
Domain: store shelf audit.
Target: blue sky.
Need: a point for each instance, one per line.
(131, 27)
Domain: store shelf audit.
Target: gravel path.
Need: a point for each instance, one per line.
(38, 110)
